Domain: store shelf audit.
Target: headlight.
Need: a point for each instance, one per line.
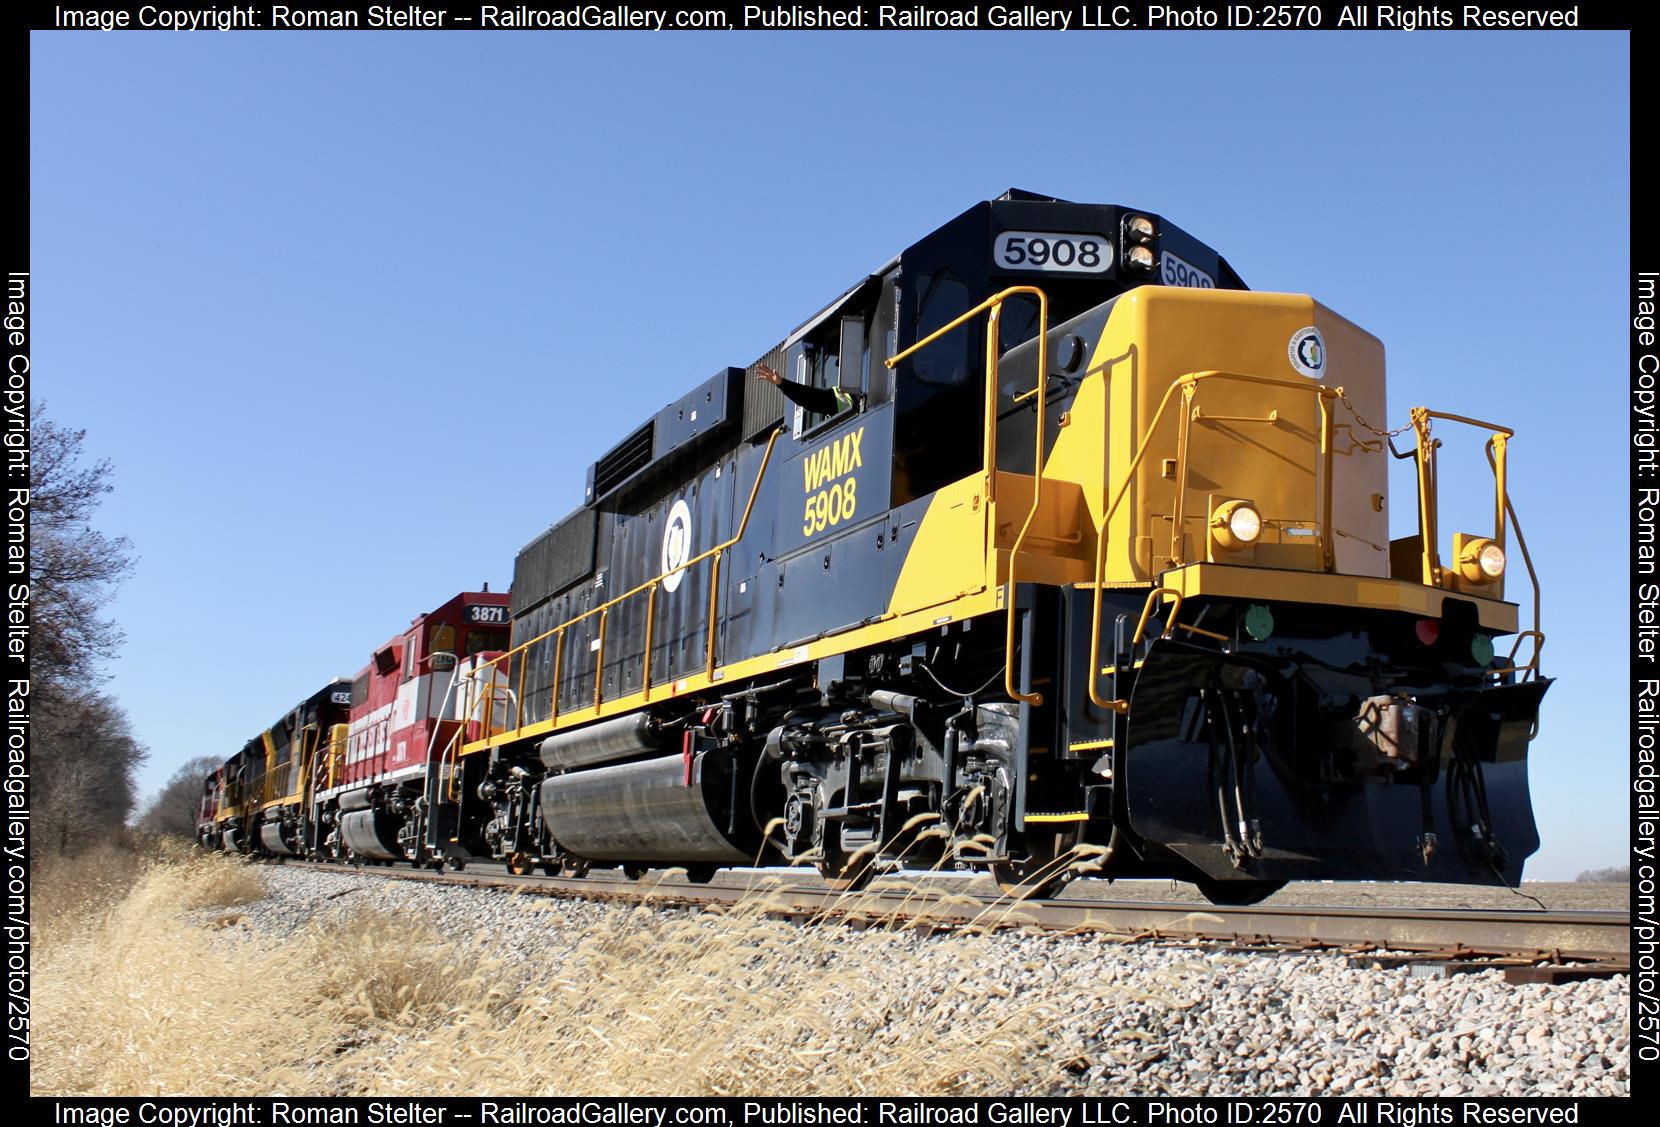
(1139, 229)
(1481, 560)
(1139, 257)
(1235, 525)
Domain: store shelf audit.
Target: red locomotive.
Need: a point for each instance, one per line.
(345, 774)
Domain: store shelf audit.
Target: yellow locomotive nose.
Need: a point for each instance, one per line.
(1226, 426)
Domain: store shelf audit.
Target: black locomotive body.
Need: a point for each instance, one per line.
(948, 626)
(1089, 573)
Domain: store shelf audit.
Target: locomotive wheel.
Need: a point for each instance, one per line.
(519, 864)
(700, 874)
(841, 871)
(1238, 893)
(1044, 872)
(635, 872)
(550, 868)
(579, 869)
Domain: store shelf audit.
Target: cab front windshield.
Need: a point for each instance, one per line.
(486, 641)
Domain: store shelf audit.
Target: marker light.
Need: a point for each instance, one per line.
(1481, 561)
(1259, 622)
(1139, 257)
(1139, 229)
(1481, 649)
(1235, 525)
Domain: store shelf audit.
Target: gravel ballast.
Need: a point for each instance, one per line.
(1132, 1019)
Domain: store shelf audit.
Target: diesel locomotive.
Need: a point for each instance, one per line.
(1086, 572)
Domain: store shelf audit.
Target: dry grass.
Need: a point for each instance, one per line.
(735, 1004)
(146, 999)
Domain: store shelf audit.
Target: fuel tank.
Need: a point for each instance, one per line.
(372, 833)
(271, 837)
(654, 810)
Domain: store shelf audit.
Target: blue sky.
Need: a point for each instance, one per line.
(352, 314)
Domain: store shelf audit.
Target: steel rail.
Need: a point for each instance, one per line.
(1593, 936)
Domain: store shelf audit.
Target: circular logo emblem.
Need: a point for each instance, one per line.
(677, 544)
(1308, 352)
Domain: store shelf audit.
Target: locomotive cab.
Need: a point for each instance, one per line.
(1080, 255)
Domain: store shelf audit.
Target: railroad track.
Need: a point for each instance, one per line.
(1531, 946)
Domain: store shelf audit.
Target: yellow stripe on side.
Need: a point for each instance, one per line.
(1077, 816)
(1090, 745)
(888, 629)
(945, 578)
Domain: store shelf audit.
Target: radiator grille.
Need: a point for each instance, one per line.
(556, 559)
(764, 404)
(626, 458)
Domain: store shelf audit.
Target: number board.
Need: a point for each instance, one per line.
(839, 479)
(1052, 252)
(340, 696)
(480, 615)
(1175, 272)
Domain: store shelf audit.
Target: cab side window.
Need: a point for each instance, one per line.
(833, 360)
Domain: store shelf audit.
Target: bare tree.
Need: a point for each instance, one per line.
(83, 762)
(84, 755)
(173, 810)
(73, 568)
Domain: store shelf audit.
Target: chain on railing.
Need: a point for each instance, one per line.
(1366, 426)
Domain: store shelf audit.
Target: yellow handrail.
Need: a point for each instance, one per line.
(1537, 633)
(306, 766)
(1188, 386)
(1429, 489)
(1153, 598)
(602, 609)
(994, 305)
(558, 668)
(524, 667)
